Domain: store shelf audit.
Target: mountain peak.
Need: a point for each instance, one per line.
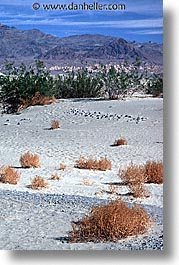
(27, 45)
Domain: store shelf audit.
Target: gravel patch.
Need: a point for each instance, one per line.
(30, 221)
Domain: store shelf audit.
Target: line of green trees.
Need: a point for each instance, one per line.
(22, 83)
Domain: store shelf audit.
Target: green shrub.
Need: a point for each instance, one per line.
(22, 83)
(117, 83)
(155, 85)
(78, 85)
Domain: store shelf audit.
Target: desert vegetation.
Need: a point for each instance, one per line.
(111, 222)
(9, 175)
(37, 99)
(120, 141)
(63, 167)
(135, 176)
(38, 183)
(80, 84)
(155, 85)
(55, 124)
(29, 160)
(23, 86)
(132, 173)
(56, 177)
(150, 172)
(87, 182)
(153, 172)
(138, 189)
(113, 190)
(102, 164)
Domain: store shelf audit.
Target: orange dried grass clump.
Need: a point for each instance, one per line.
(138, 190)
(63, 167)
(134, 177)
(113, 189)
(55, 125)
(56, 177)
(38, 183)
(103, 164)
(87, 182)
(132, 174)
(154, 172)
(37, 99)
(111, 222)
(29, 160)
(9, 175)
(120, 141)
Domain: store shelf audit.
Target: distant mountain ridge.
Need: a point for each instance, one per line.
(27, 45)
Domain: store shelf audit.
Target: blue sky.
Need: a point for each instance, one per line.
(141, 21)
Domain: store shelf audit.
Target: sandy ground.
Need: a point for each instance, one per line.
(88, 128)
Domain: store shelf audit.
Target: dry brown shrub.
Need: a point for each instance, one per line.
(113, 189)
(132, 174)
(55, 125)
(56, 177)
(120, 141)
(111, 222)
(86, 164)
(103, 164)
(153, 172)
(100, 192)
(37, 99)
(29, 160)
(63, 167)
(134, 177)
(87, 182)
(38, 183)
(138, 190)
(9, 175)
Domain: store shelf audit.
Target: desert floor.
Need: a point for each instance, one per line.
(41, 219)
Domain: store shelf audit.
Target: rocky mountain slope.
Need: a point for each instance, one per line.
(27, 45)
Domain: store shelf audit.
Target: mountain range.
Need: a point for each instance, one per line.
(26, 45)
